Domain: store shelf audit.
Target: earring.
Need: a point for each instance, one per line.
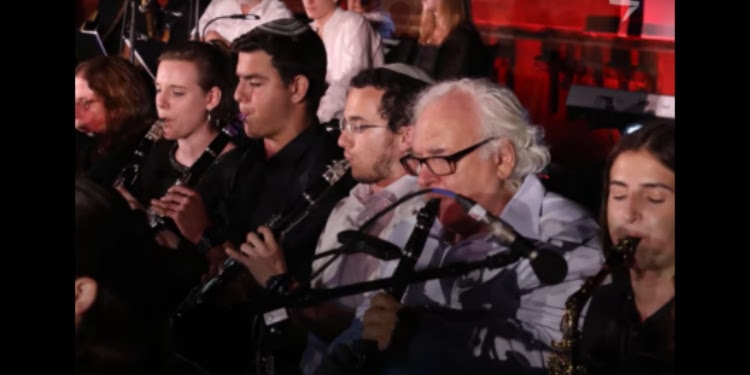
(208, 116)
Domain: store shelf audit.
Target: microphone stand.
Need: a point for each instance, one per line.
(131, 33)
(273, 307)
(196, 16)
(304, 296)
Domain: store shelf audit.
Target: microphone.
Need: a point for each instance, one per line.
(549, 266)
(354, 241)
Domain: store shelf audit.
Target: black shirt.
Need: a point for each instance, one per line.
(180, 270)
(160, 171)
(262, 187)
(615, 341)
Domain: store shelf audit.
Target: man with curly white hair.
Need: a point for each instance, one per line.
(474, 138)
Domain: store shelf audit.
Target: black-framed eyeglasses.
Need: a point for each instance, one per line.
(357, 128)
(439, 165)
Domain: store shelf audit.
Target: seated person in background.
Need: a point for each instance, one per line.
(113, 113)
(629, 326)
(473, 138)
(281, 70)
(119, 327)
(449, 44)
(351, 46)
(372, 10)
(226, 30)
(374, 137)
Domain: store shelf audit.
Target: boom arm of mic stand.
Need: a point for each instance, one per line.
(307, 297)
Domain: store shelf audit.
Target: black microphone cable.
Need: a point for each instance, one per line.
(249, 16)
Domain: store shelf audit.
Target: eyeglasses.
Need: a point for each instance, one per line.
(357, 128)
(85, 104)
(439, 165)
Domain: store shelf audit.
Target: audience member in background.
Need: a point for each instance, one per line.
(380, 20)
(351, 46)
(226, 30)
(629, 326)
(449, 44)
(113, 112)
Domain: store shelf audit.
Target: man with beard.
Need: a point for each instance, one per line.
(374, 136)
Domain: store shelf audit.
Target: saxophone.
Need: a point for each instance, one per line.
(566, 359)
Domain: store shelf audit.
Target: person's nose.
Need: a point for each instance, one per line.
(344, 139)
(239, 94)
(161, 100)
(632, 210)
(425, 177)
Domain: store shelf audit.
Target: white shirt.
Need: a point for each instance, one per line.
(351, 46)
(230, 29)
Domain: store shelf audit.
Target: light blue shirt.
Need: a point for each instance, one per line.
(509, 318)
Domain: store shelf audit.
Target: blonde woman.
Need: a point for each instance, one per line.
(449, 44)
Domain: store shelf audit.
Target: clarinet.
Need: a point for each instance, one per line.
(196, 171)
(353, 358)
(280, 225)
(566, 360)
(414, 246)
(127, 176)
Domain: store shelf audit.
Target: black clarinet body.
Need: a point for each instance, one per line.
(195, 172)
(279, 224)
(127, 176)
(414, 246)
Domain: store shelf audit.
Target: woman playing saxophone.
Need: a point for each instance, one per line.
(629, 325)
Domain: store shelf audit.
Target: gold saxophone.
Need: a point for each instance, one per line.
(566, 359)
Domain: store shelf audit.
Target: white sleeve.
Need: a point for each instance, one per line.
(207, 15)
(354, 56)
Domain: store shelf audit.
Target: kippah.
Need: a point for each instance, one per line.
(285, 27)
(409, 71)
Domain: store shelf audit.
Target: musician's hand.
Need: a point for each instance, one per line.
(132, 202)
(168, 239)
(380, 320)
(215, 258)
(184, 206)
(262, 257)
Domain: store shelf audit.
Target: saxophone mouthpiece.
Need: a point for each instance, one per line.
(623, 250)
